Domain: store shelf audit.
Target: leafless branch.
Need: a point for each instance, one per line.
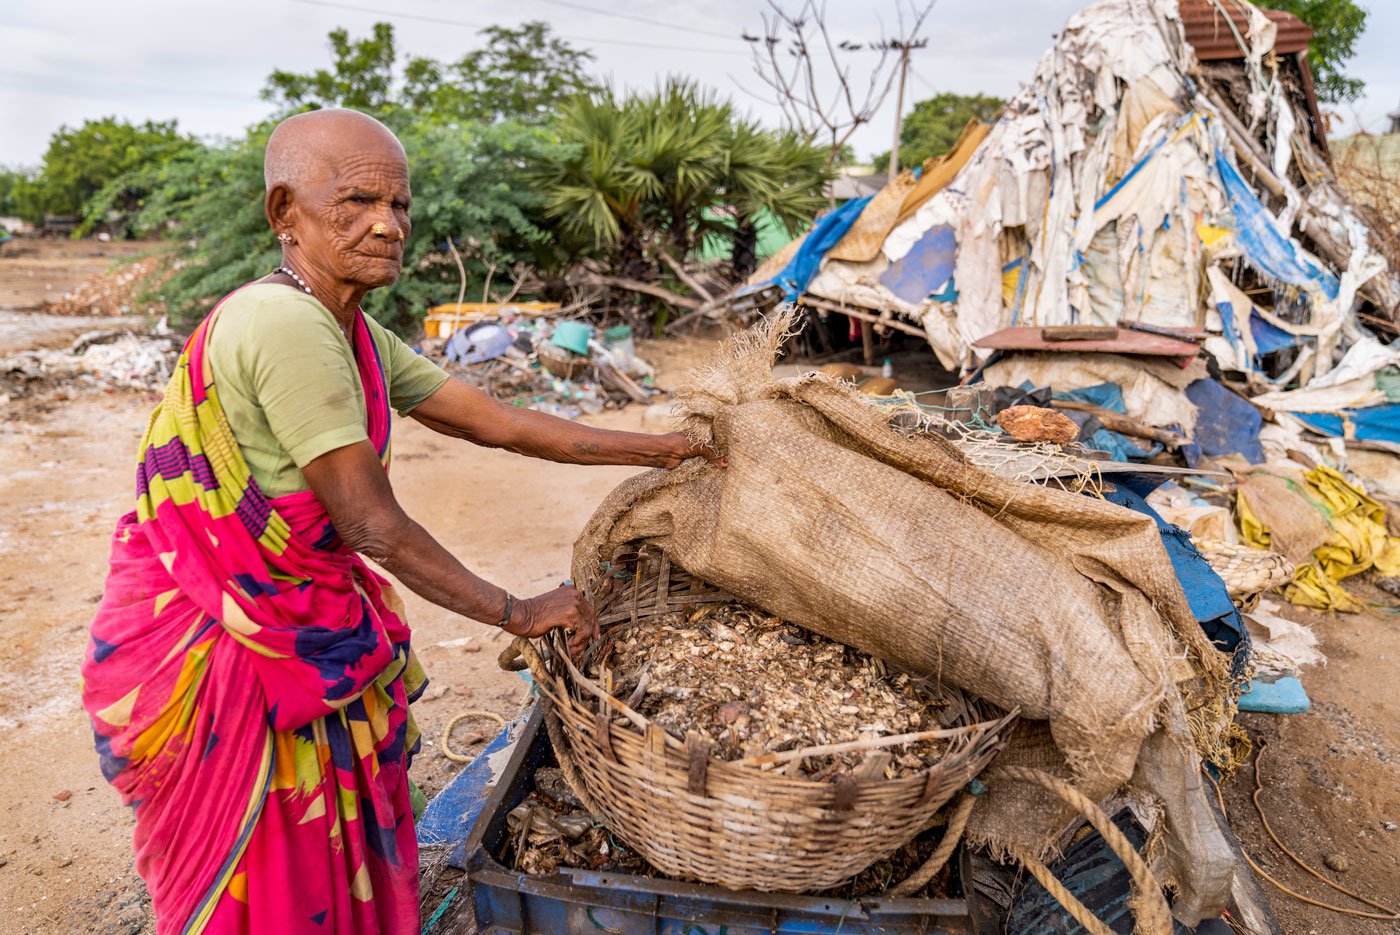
(815, 90)
(685, 277)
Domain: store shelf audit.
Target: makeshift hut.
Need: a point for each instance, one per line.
(1164, 168)
(1150, 231)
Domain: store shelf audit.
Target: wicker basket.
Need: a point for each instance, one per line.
(738, 826)
(1247, 572)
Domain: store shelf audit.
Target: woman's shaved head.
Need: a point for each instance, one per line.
(309, 147)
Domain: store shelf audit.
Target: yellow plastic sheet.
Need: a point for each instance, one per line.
(1210, 235)
(1358, 541)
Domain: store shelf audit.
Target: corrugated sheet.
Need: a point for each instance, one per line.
(1211, 36)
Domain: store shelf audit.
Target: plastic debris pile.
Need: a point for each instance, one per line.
(1150, 241)
(559, 366)
(100, 361)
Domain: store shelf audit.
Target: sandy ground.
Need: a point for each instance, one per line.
(1332, 776)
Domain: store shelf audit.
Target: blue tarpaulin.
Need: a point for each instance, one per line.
(1375, 424)
(1205, 592)
(1258, 235)
(1225, 425)
(798, 274)
(926, 268)
(1268, 337)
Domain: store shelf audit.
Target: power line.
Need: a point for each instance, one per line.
(478, 26)
(922, 80)
(637, 19)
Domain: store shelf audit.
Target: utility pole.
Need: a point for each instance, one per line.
(905, 46)
(899, 109)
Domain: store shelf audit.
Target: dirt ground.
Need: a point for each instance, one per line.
(36, 270)
(1332, 776)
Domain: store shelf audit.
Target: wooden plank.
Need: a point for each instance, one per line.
(1126, 342)
(861, 315)
(1079, 332)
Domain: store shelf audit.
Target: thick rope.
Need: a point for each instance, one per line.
(956, 823)
(1150, 909)
(447, 734)
(1386, 915)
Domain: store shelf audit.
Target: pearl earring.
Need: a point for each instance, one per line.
(284, 237)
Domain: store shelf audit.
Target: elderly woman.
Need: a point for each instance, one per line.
(248, 675)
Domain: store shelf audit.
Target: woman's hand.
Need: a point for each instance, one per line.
(564, 607)
(676, 447)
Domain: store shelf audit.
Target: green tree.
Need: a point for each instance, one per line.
(1338, 24)
(467, 187)
(933, 126)
(12, 183)
(781, 175)
(520, 74)
(361, 76)
(81, 160)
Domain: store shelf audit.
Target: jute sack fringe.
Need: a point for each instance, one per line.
(1057, 604)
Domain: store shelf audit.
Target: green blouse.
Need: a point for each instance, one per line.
(288, 383)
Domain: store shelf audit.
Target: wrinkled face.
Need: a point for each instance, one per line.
(352, 223)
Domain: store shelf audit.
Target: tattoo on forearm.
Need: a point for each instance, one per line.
(586, 448)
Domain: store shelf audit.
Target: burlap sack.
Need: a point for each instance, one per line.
(1063, 606)
(862, 242)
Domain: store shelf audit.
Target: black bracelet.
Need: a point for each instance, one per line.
(510, 608)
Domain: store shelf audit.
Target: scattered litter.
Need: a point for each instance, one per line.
(99, 361)
(1281, 645)
(536, 362)
(1336, 529)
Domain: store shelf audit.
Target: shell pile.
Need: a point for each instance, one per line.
(752, 684)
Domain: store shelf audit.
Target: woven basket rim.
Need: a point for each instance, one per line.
(561, 681)
(741, 769)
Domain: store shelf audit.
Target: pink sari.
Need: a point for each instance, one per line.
(248, 679)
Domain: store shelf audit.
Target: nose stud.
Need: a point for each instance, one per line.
(379, 229)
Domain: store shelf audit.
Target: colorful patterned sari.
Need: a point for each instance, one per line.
(248, 680)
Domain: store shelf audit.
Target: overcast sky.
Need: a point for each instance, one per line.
(62, 61)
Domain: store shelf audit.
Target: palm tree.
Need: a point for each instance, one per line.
(778, 174)
(643, 172)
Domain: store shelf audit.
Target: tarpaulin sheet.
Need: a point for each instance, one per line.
(1205, 591)
(1225, 424)
(927, 266)
(822, 237)
(1258, 235)
(1267, 336)
(1376, 424)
